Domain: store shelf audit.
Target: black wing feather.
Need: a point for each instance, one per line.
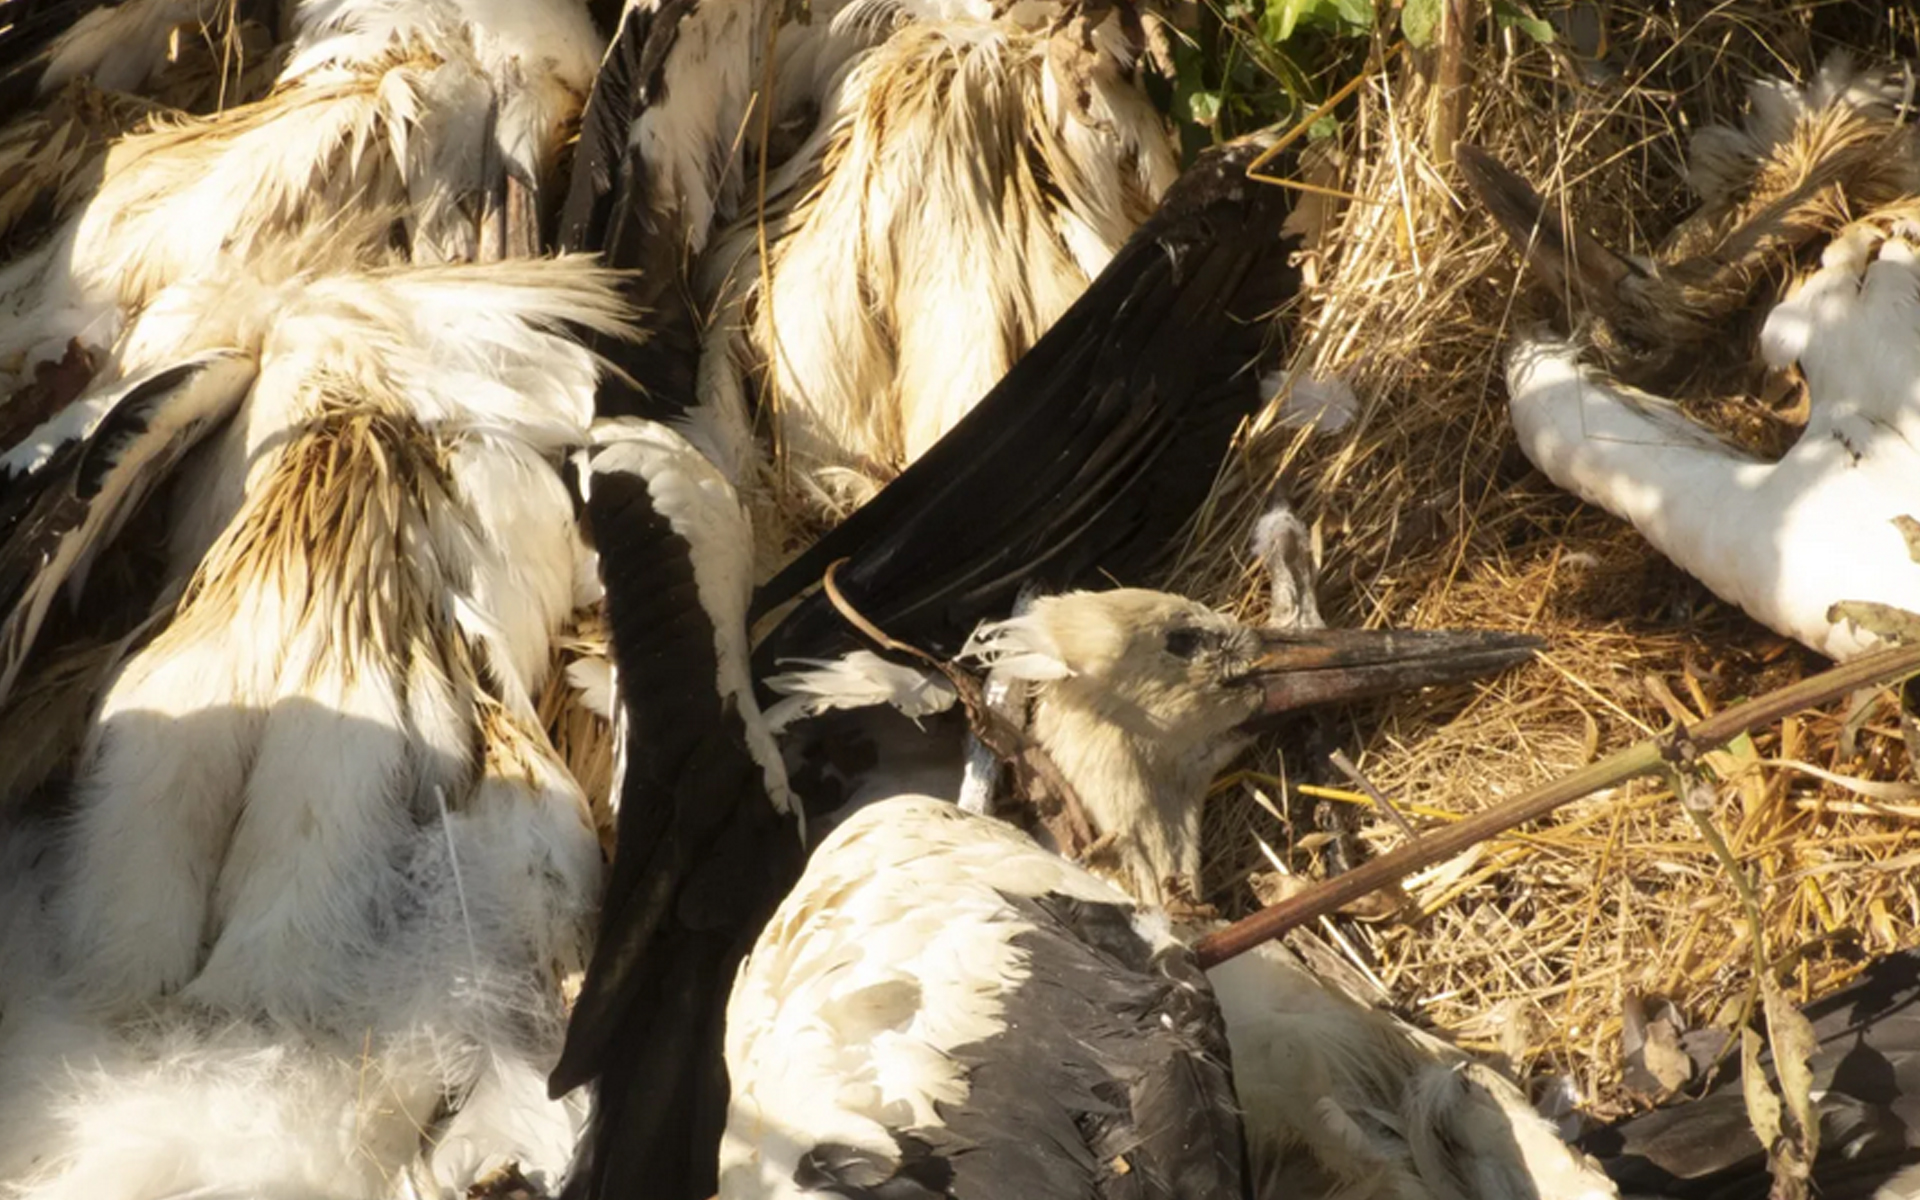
(606, 210)
(1093, 451)
(86, 488)
(604, 127)
(703, 858)
(1866, 1078)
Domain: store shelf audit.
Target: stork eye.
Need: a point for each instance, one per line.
(1185, 643)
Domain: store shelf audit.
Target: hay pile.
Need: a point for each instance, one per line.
(1428, 516)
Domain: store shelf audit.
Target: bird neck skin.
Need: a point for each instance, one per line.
(1142, 793)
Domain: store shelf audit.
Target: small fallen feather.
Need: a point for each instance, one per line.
(1322, 403)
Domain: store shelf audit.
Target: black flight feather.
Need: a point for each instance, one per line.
(605, 124)
(83, 491)
(1866, 1084)
(1095, 449)
(703, 858)
(607, 210)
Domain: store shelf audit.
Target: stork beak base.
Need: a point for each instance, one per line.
(1301, 668)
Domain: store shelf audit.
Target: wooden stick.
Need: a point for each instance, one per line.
(1877, 669)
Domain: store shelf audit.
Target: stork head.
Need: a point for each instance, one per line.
(1183, 678)
(1162, 670)
(1142, 696)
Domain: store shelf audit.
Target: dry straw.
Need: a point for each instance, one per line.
(1428, 516)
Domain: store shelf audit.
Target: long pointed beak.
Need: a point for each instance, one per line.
(1299, 668)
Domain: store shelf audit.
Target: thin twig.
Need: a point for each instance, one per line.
(1880, 668)
(1036, 775)
(1345, 766)
(1794, 1141)
(1305, 123)
(881, 637)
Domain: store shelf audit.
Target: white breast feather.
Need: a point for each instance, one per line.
(1785, 541)
(890, 951)
(859, 680)
(295, 826)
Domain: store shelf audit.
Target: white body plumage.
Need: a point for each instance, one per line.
(1833, 521)
(936, 131)
(900, 1018)
(303, 924)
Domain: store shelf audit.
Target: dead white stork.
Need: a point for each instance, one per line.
(301, 877)
(443, 114)
(967, 177)
(1114, 425)
(847, 1078)
(1141, 698)
(917, 1017)
(298, 892)
(941, 181)
(1821, 543)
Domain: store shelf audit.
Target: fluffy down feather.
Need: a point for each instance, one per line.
(434, 1078)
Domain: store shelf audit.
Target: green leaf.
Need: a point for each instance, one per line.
(1357, 15)
(1201, 107)
(1418, 21)
(1193, 102)
(1334, 16)
(1515, 16)
(1281, 17)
